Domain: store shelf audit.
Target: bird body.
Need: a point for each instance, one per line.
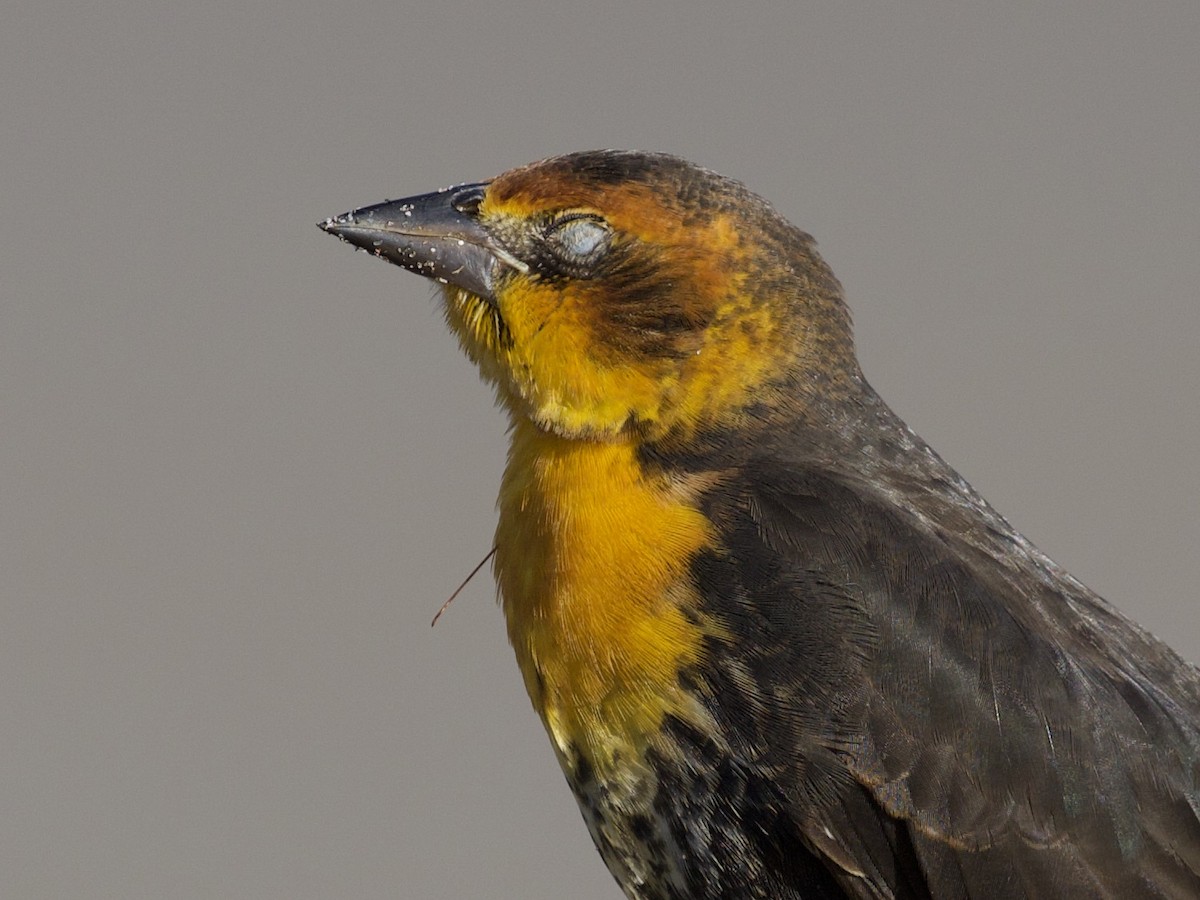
(781, 649)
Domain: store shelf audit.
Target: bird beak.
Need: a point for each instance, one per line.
(437, 235)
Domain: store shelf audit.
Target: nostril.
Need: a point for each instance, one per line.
(467, 200)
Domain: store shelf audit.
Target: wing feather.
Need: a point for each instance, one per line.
(947, 715)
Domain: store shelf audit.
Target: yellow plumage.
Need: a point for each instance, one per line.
(591, 559)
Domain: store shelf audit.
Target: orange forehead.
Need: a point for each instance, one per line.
(634, 207)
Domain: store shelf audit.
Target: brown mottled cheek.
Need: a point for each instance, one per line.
(645, 312)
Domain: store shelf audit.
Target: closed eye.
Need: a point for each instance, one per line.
(579, 241)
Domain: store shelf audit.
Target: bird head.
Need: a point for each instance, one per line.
(610, 293)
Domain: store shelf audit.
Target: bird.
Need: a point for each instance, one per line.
(780, 648)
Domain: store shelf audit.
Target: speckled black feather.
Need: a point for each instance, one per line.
(937, 709)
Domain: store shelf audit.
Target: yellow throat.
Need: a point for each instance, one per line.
(591, 561)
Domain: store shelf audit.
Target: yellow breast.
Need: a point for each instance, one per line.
(591, 560)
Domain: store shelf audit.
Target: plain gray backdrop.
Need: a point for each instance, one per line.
(242, 466)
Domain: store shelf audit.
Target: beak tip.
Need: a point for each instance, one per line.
(332, 225)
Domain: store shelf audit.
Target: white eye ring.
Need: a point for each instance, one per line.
(580, 240)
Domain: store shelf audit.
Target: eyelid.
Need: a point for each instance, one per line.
(557, 227)
(566, 218)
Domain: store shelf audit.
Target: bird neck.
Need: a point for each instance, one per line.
(591, 561)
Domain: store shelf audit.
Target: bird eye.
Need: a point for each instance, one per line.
(579, 240)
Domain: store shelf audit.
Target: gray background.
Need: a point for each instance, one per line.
(241, 466)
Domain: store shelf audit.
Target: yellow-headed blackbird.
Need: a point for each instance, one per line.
(781, 649)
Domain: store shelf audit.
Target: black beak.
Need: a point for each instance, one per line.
(437, 235)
